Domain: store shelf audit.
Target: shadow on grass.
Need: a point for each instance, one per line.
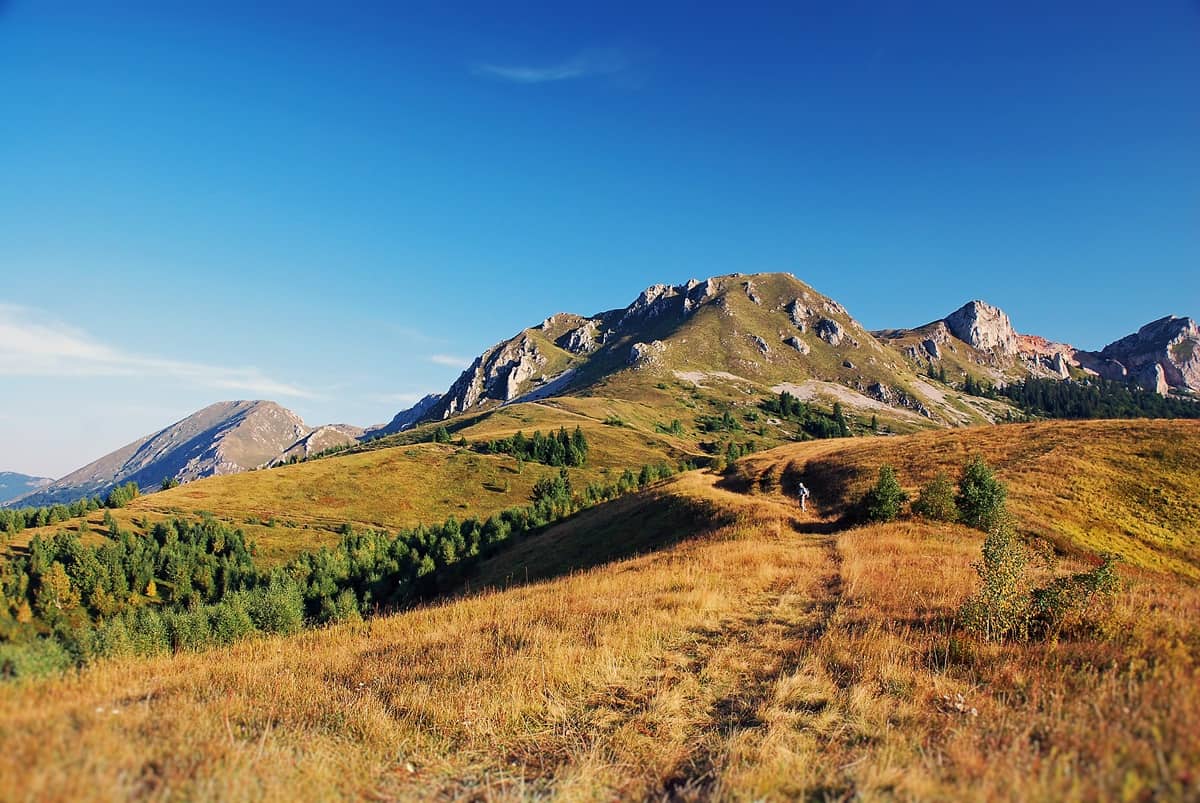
(638, 524)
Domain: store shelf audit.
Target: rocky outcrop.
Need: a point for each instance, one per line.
(750, 294)
(983, 327)
(799, 313)
(796, 343)
(407, 419)
(500, 374)
(1060, 366)
(1171, 343)
(829, 330)
(937, 335)
(583, 339)
(321, 439)
(761, 345)
(697, 292)
(895, 398)
(644, 355)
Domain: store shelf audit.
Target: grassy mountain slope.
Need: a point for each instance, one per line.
(749, 651)
(1094, 486)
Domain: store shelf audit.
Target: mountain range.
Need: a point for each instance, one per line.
(736, 333)
(14, 485)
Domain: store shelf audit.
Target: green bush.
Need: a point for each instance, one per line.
(41, 656)
(936, 500)
(1070, 599)
(884, 501)
(278, 608)
(229, 620)
(981, 496)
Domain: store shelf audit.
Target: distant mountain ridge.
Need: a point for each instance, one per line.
(13, 485)
(223, 438)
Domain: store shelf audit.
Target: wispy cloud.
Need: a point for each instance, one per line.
(33, 345)
(397, 398)
(587, 64)
(448, 360)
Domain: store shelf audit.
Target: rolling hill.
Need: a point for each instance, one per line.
(702, 639)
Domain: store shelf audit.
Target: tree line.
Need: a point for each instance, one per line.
(813, 422)
(187, 585)
(1091, 398)
(556, 449)
(17, 519)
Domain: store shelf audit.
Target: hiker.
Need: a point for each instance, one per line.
(802, 491)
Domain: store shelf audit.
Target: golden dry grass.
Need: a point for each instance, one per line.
(1088, 486)
(746, 657)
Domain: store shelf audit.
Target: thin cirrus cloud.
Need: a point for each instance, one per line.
(448, 360)
(587, 64)
(397, 398)
(31, 345)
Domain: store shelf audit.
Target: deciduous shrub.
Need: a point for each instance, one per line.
(1068, 600)
(1002, 606)
(936, 500)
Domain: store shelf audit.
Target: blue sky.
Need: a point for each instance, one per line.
(337, 205)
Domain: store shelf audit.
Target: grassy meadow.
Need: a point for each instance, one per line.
(702, 639)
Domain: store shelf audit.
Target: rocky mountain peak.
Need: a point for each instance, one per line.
(983, 327)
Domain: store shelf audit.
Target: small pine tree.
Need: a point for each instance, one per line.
(981, 496)
(884, 500)
(839, 420)
(151, 589)
(645, 477)
(936, 500)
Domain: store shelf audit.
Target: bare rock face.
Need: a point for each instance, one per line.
(1102, 366)
(1152, 377)
(761, 345)
(644, 355)
(407, 419)
(939, 335)
(830, 331)
(1060, 366)
(320, 440)
(499, 374)
(1171, 343)
(750, 294)
(882, 393)
(696, 293)
(796, 343)
(583, 339)
(652, 302)
(983, 327)
(800, 313)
